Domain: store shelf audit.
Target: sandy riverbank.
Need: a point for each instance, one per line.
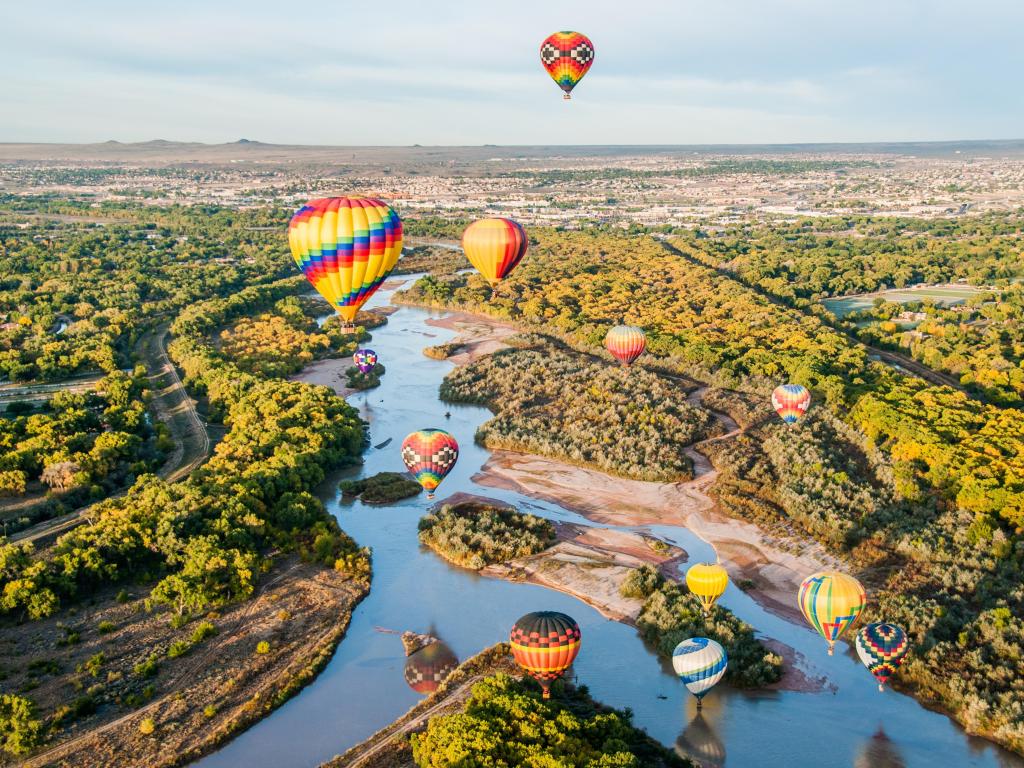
(477, 337)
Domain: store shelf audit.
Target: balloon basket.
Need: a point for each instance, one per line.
(567, 96)
(881, 687)
(831, 651)
(430, 495)
(547, 693)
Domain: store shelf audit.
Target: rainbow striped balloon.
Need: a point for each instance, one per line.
(700, 663)
(831, 602)
(791, 402)
(365, 360)
(430, 454)
(567, 56)
(494, 247)
(626, 343)
(882, 648)
(346, 247)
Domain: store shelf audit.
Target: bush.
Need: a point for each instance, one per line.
(382, 488)
(672, 614)
(641, 582)
(262, 647)
(105, 627)
(474, 535)
(148, 668)
(178, 648)
(20, 727)
(204, 630)
(147, 726)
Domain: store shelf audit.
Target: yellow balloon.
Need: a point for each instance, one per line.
(708, 582)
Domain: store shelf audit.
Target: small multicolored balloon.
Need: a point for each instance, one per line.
(494, 247)
(346, 247)
(545, 644)
(700, 664)
(626, 343)
(708, 582)
(567, 56)
(831, 602)
(365, 360)
(791, 402)
(882, 648)
(430, 454)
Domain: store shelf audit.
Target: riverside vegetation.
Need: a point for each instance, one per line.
(941, 532)
(382, 488)
(475, 535)
(557, 402)
(203, 543)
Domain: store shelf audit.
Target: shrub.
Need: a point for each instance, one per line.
(178, 648)
(148, 668)
(105, 627)
(147, 726)
(262, 647)
(203, 630)
(641, 582)
(474, 535)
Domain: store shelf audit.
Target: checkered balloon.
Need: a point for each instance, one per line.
(430, 454)
(567, 56)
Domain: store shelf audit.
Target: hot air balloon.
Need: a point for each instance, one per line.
(700, 663)
(882, 648)
(430, 454)
(365, 360)
(831, 602)
(346, 247)
(626, 343)
(567, 56)
(708, 582)
(494, 247)
(428, 667)
(545, 644)
(791, 402)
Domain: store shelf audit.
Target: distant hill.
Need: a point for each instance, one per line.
(166, 152)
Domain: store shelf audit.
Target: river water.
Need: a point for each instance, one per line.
(849, 723)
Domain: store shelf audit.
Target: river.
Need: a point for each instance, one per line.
(845, 723)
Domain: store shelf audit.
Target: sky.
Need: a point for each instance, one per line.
(432, 72)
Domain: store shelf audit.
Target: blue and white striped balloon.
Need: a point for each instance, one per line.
(700, 663)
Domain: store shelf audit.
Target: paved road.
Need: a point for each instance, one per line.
(173, 406)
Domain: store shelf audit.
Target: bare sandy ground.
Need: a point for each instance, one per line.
(329, 372)
(590, 564)
(477, 336)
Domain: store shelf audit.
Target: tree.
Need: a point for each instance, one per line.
(20, 728)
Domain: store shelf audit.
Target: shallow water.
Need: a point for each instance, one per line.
(363, 687)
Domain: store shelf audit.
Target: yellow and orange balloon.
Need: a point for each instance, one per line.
(494, 247)
(346, 247)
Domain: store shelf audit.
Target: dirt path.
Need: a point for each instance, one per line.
(360, 754)
(172, 405)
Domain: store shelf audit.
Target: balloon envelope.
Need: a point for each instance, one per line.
(494, 247)
(700, 664)
(831, 602)
(365, 360)
(545, 644)
(791, 402)
(626, 343)
(708, 582)
(882, 648)
(567, 56)
(430, 454)
(346, 247)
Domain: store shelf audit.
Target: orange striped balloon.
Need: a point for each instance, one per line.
(545, 644)
(626, 343)
(494, 247)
